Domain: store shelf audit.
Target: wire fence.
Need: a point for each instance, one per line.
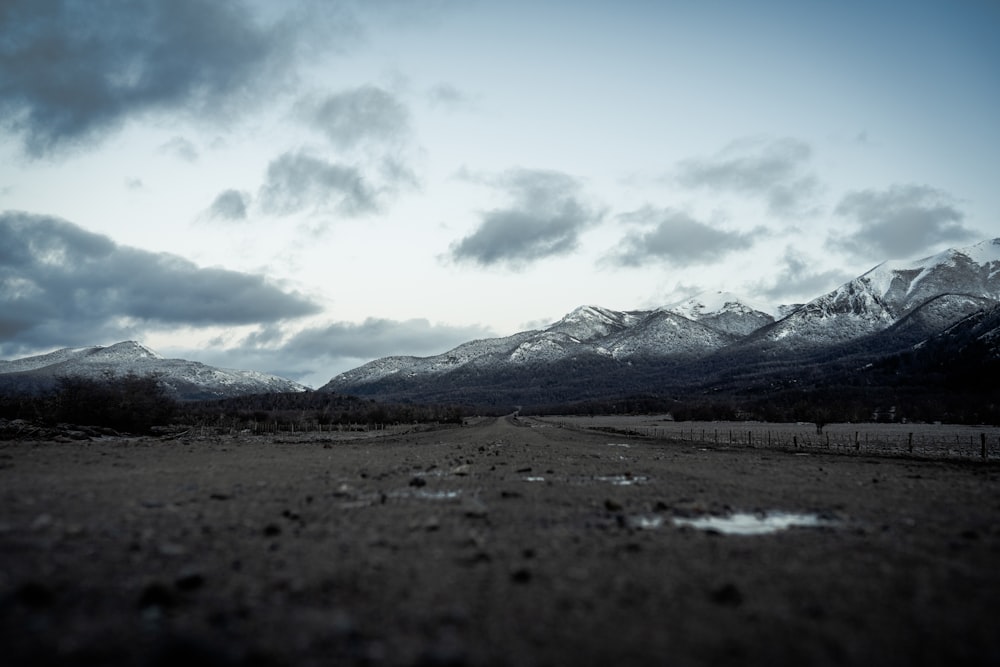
(926, 440)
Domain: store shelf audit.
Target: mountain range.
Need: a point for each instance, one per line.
(181, 379)
(709, 343)
(902, 322)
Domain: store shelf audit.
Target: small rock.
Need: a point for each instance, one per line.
(727, 594)
(430, 524)
(156, 595)
(418, 482)
(190, 581)
(612, 505)
(35, 595)
(521, 575)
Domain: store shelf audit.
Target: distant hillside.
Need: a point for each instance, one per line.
(181, 379)
(713, 345)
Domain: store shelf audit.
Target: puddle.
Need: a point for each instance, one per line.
(645, 522)
(437, 495)
(622, 480)
(420, 495)
(746, 523)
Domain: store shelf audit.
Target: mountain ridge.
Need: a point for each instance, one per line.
(706, 338)
(182, 379)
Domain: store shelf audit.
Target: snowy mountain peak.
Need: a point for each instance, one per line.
(122, 352)
(887, 293)
(589, 322)
(706, 304)
(901, 301)
(724, 312)
(928, 275)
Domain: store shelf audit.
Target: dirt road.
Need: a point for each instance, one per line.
(506, 542)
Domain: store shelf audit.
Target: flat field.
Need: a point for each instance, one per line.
(503, 542)
(882, 439)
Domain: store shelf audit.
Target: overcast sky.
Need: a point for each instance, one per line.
(299, 187)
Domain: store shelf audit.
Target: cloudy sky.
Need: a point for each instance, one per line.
(301, 186)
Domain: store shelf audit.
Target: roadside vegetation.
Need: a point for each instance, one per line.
(128, 403)
(142, 404)
(916, 387)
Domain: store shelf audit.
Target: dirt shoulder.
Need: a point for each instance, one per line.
(501, 543)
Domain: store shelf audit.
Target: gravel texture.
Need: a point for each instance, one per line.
(502, 542)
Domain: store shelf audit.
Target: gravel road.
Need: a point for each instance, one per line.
(502, 542)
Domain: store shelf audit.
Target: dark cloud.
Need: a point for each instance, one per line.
(677, 238)
(360, 115)
(774, 169)
(899, 221)
(62, 285)
(230, 205)
(545, 218)
(299, 182)
(798, 279)
(72, 71)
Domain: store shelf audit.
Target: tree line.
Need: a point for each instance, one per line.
(138, 404)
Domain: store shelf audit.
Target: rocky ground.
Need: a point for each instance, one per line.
(506, 542)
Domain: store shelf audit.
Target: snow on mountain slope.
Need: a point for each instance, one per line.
(877, 299)
(664, 332)
(182, 378)
(547, 346)
(935, 315)
(726, 312)
(401, 366)
(973, 271)
(42, 360)
(588, 330)
(933, 291)
(705, 304)
(590, 322)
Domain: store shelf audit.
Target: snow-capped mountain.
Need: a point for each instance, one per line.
(664, 332)
(895, 304)
(182, 379)
(591, 322)
(588, 331)
(879, 298)
(726, 312)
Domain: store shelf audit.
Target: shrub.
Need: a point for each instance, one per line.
(130, 403)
